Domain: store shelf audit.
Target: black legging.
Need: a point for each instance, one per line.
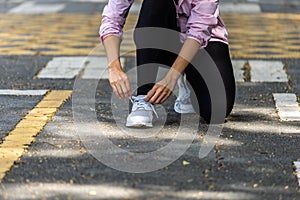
(162, 13)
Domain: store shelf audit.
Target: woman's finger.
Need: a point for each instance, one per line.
(124, 89)
(157, 94)
(160, 97)
(165, 97)
(150, 93)
(115, 90)
(128, 89)
(119, 90)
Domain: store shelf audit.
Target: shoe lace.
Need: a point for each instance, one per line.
(140, 103)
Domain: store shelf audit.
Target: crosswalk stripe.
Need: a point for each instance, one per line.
(240, 7)
(69, 67)
(62, 67)
(267, 71)
(287, 106)
(238, 69)
(260, 71)
(24, 92)
(31, 8)
(14, 145)
(95, 67)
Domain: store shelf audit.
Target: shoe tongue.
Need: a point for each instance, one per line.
(140, 103)
(140, 97)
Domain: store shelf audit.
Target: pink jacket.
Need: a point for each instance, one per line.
(198, 19)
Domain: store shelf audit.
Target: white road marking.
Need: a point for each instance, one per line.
(24, 92)
(297, 166)
(62, 67)
(240, 7)
(267, 71)
(261, 71)
(287, 106)
(96, 68)
(30, 7)
(238, 70)
(69, 67)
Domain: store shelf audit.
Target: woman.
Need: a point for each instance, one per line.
(201, 27)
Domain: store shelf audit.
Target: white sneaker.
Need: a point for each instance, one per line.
(183, 101)
(141, 114)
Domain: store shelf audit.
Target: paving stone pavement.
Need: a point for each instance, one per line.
(42, 156)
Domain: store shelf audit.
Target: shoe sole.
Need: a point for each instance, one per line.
(138, 125)
(184, 111)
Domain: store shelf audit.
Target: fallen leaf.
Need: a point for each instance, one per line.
(185, 163)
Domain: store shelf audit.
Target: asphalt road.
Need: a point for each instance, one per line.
(46, 153)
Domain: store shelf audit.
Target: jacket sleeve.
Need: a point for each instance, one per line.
(113, 18)
(203, 17)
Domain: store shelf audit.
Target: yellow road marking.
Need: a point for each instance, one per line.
(15, 144)
(260, 35)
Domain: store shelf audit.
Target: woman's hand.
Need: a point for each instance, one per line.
(117, 78)
(163, 89)
(119, 81)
